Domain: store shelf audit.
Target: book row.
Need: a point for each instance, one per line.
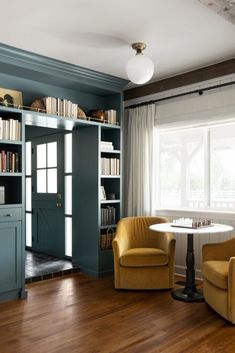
(10, 129)
(108, 215)
(110, 166)
(63, 107)
(9, 162)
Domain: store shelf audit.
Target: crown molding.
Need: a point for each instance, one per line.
(35, 65)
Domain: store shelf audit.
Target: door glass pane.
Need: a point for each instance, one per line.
(28, 194)
(68, 153)
(28, 158)
(41, 181)
(68, 195)
(41, 156)
(68, 236)
(52, 180)
(52, 154)
(28, 229)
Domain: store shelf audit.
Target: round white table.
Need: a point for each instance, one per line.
(189, 293)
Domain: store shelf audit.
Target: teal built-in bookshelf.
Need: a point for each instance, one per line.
(36, 77)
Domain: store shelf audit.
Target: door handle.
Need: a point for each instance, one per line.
(58, 200)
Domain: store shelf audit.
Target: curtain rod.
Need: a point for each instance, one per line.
(198, 91)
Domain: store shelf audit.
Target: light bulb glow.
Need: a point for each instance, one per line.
(140, 69)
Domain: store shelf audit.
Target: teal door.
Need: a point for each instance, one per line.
(48, 221)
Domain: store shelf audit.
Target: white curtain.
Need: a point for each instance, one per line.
(139, 160)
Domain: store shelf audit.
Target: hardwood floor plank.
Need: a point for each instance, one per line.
(80, 314)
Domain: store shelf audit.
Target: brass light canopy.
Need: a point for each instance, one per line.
(139, 47)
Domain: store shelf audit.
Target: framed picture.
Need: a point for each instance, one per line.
(10, 97)
(102, 193)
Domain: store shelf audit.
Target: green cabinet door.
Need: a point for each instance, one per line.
(10, 260)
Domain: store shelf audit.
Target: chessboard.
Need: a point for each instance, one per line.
(191, 224)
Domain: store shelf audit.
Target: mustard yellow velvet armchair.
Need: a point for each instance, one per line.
(143, 259)
(218, 268)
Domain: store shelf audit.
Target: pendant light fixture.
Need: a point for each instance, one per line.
(140, 68)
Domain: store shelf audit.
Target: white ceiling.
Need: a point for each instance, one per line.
(181, 35)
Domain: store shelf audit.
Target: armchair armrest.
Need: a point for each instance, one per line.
(218, 251)
(166, 242)
(120, 245)
(231, 290)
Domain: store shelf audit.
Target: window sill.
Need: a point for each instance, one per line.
(196, 214)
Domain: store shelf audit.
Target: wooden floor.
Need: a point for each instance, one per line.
(86, 315)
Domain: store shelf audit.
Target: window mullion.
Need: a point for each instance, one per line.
(207, 167)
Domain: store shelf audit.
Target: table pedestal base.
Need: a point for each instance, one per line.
(195, 296)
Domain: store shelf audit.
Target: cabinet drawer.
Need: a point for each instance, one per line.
(10, 214)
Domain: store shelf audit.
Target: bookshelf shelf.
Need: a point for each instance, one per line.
(108, 226)
(11, 142)
(110, 176)
(111, 152)
(11, 174)
(109, 201)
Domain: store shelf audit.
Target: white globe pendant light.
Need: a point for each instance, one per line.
(140, 68)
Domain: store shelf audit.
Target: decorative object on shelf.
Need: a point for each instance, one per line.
(111, 116)
(38, 106)
(98, 114)
(140, 68)
(107, 239)
(102, 193)
(11, 98)
(81, 114)
(111, 196)
(190, 223)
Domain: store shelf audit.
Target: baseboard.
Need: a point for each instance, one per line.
(180, 271)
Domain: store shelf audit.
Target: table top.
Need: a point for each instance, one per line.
(169, 227)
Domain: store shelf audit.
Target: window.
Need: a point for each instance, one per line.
(47, 168)
(196, 169)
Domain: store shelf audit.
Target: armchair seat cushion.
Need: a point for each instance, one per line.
(143, 257)
(216, 272)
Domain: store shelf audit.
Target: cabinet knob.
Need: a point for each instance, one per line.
(8, 215)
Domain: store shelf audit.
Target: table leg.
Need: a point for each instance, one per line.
(189, 293)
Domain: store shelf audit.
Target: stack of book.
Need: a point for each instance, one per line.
(110, 166)
(106, 146)
(110, 116)
(108, 215)
(63, 107)
(10, 129)
(9, 162)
